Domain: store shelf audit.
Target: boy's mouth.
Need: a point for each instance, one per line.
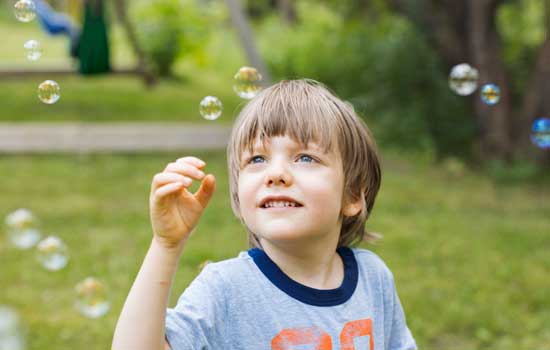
(280, 205)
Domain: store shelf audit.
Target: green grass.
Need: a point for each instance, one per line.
(115, 98)
(470, 257)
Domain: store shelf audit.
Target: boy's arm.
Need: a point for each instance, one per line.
(141, 324)
(174, 212)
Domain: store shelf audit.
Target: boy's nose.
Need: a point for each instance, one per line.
(278, 175)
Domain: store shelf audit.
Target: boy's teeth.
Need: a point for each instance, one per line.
(280, 204)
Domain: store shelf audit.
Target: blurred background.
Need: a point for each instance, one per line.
(464, 206)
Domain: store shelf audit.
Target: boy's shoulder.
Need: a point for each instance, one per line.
(230, 267)
(368, 259)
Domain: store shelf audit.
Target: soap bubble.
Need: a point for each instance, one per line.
(92, 300)
(22, 228)
(463, 79)
(48, 92)
(34, 50)
(247, 82)
(25, 10)
(210, 108)
(11, 337)
(541, 133)
(52, 253)
(490, 94)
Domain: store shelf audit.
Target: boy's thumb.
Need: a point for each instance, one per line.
(206, 190)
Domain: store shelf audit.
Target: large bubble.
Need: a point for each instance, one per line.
(210, 108)
(48, 92)
(463, 79)
(247, 82)
(25, 10)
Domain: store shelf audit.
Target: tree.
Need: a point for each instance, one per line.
(246, 37)
(466, 31)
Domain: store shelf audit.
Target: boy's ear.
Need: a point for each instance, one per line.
(352, 209)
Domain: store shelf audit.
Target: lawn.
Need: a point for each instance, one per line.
(470, 257)
(107, 98)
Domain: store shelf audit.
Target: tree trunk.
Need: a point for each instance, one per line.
(288, 11)
(240, 22)
(465, 32)
(484, 43)
(120, 9)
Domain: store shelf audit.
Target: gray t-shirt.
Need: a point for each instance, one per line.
(248, 303)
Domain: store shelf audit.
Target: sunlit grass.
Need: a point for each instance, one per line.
(469, 256)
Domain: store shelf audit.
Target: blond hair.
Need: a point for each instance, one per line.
(306, 110)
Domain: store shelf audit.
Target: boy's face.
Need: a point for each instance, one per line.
(313, 179)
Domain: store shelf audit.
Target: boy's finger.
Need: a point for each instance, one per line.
(161, 179)
(192, 160)
(205, 191)
(167, 189)
(185, 169)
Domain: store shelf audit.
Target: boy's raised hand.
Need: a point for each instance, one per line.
(175, 211)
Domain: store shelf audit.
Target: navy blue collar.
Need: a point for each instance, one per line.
(308, 295)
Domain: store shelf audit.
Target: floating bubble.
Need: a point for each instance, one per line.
(48, 92)
(210, 108)
(541, 133)
(490, 94)
(34, 50)
(92, 300)
(463, 79)
(22, 228)
(11, 337)
(52, 253)
(25, 10)
(247, 82)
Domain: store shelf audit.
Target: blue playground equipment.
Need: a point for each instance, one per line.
(56, 23)
(53, 22)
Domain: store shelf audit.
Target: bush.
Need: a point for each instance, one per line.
(385, 68)
(168, 30)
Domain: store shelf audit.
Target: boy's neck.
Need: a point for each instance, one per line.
(319, 268)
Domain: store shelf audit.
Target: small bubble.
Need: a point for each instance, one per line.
(11, 335)
(25, 10)
(247, 82)
(92, 300)
(52, 253)
(541, 133)
(34, 50)
(463, 79)
(48, 92)
(22, 228)
(210, 108)
(490, 94)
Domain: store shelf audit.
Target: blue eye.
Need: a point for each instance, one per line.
(255, 157)
(252, 159)
(305, 155)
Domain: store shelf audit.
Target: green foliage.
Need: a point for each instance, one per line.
(521, 37)
(385, 68)
(168, 30)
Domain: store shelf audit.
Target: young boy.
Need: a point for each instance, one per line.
(304, 174)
